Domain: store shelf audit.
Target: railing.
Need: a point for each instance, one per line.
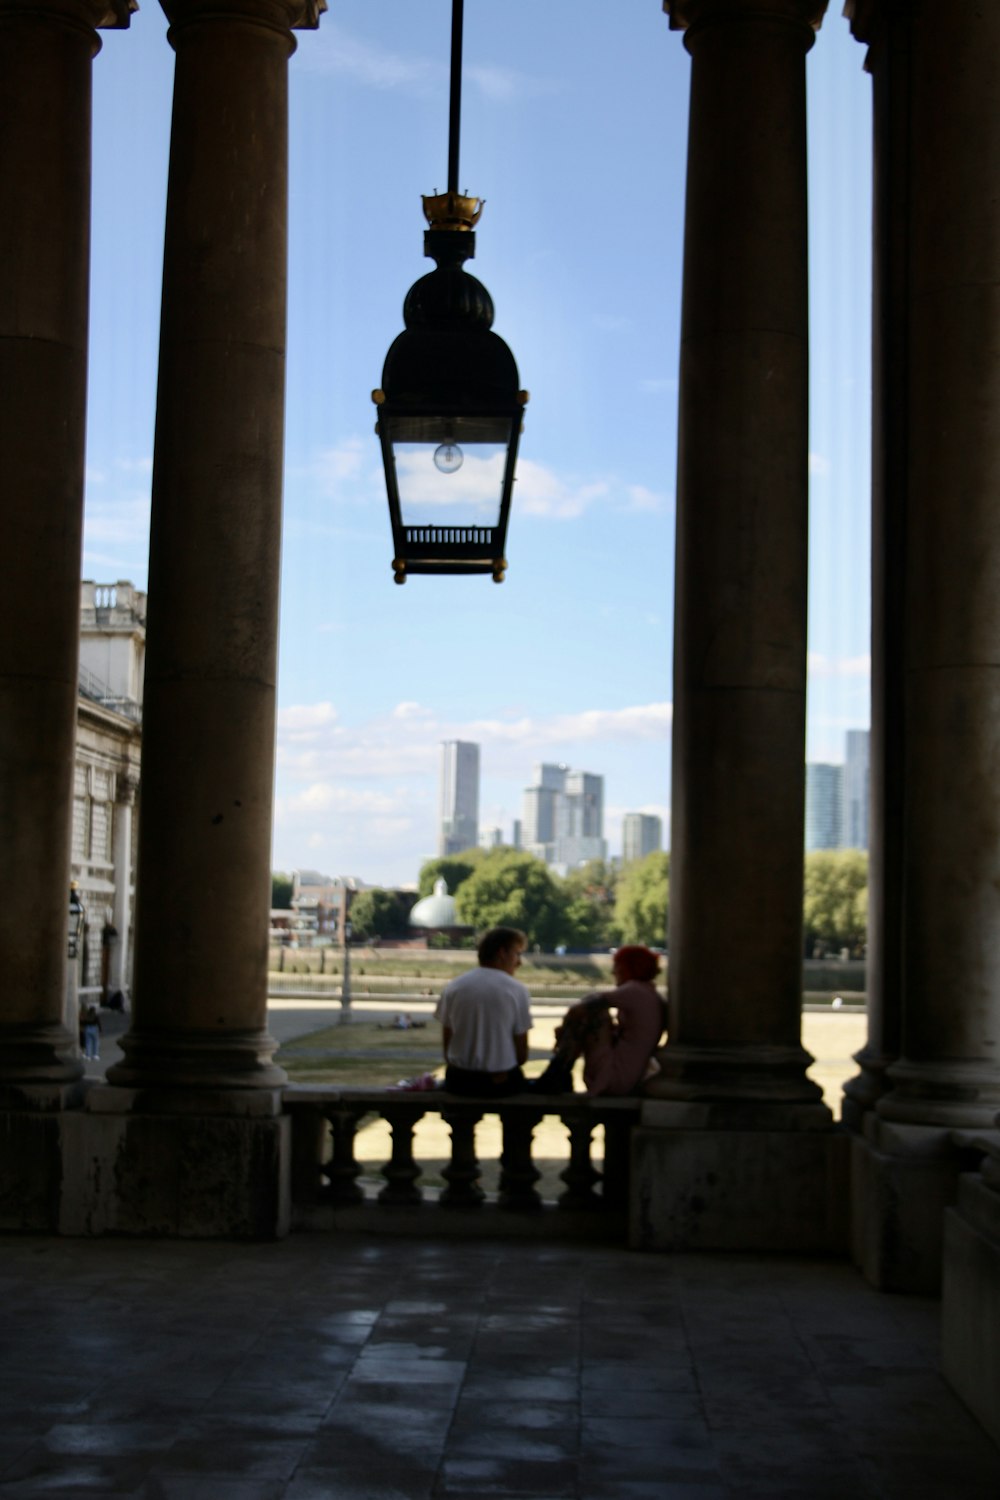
(92, 687)
(325, 1171)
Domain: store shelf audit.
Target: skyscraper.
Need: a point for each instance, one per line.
(642, 834)
(459, 796)
(856, 782)
(824, 806)
(564, 816)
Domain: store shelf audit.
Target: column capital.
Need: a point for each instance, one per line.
(866, 16)
(106, 15)
(685, 15)
(281, 15)
(126, 787)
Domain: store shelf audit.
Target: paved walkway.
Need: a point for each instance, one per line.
(356, 1369)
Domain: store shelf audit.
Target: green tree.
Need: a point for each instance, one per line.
(380, 913)
(589, 894)
(281, 891)
(511, 889)
(642, 900)
(835, 899)
(453, 869)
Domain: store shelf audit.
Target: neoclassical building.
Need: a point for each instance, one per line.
(106, 778)
(737, 1148)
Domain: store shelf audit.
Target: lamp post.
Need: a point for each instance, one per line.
(450, 409)
(345, 989)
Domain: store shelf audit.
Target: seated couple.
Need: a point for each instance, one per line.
(485, 1018)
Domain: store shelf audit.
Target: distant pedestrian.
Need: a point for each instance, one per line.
(92, 1033)
(485, 1018)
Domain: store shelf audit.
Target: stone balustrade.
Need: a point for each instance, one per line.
(326, 1191)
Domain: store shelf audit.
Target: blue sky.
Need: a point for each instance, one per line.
(574, 126)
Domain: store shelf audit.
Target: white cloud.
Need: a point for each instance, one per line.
(336, 471)
(819, 665)
(333, 50)
(819, 464)
(659, 385)
(124, 520)
(641, 498)
(611, 322)
(540, 492)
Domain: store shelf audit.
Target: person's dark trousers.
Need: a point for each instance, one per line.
(475, 1085)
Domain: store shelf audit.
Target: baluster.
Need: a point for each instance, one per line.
(579, 1174)
(401, 1170)
(617, 1159)
(342, 1170)
(462, 1173)
(518, 1173)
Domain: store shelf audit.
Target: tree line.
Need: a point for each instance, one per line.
(601, 905)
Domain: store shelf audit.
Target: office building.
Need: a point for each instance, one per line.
(856, 789)
(564, 816)
(459, 796)
(642, 834)
(824, 806)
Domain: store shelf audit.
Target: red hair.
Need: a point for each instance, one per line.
(636, 962)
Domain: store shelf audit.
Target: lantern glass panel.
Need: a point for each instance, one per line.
(462, 488)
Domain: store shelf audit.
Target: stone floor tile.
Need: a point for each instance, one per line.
(483, 1384)
(196, 1487)
(477, 1414)
(668, 1406)
(338, 1484)
(463, 1478)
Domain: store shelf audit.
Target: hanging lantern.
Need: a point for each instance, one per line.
(449, 408)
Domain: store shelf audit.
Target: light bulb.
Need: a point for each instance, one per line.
(448, 458)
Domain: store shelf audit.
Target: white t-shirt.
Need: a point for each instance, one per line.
(485, 1009)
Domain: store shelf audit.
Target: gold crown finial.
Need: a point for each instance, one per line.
(452, 210)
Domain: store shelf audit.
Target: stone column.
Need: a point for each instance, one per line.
(949, 1072)
(742, 513)
(125, 790)
(734, 1149)
(938, 625)
(200, 974)
(46, 52)
(886, 28)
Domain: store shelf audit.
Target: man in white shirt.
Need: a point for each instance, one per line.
(485, 1018)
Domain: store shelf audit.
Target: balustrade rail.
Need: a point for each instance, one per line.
(325, 1170)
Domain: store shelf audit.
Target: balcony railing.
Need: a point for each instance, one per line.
(326, 1191)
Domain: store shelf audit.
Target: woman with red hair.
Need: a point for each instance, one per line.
(617, 1052)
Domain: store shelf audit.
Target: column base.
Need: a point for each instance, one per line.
(953, 1094)
(904, 1177)
(863, 1092)
(131, 1170)
(36, 1062)
(783, 1190)
(738, 1076)
(182, 1060)
(971, 1294)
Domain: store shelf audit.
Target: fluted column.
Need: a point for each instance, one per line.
(885, 26)
(46, 52)
(740, 611)
(200, 976)
(125, 791)
(949, 1071)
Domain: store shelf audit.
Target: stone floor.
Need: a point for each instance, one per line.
(354, 1369)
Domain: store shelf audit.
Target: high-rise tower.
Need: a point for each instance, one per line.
(459, 796)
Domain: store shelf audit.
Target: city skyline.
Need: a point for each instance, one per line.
(569, 661)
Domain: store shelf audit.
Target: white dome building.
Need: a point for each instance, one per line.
(436, 912)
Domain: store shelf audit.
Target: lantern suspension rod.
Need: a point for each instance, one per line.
(455, 111)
